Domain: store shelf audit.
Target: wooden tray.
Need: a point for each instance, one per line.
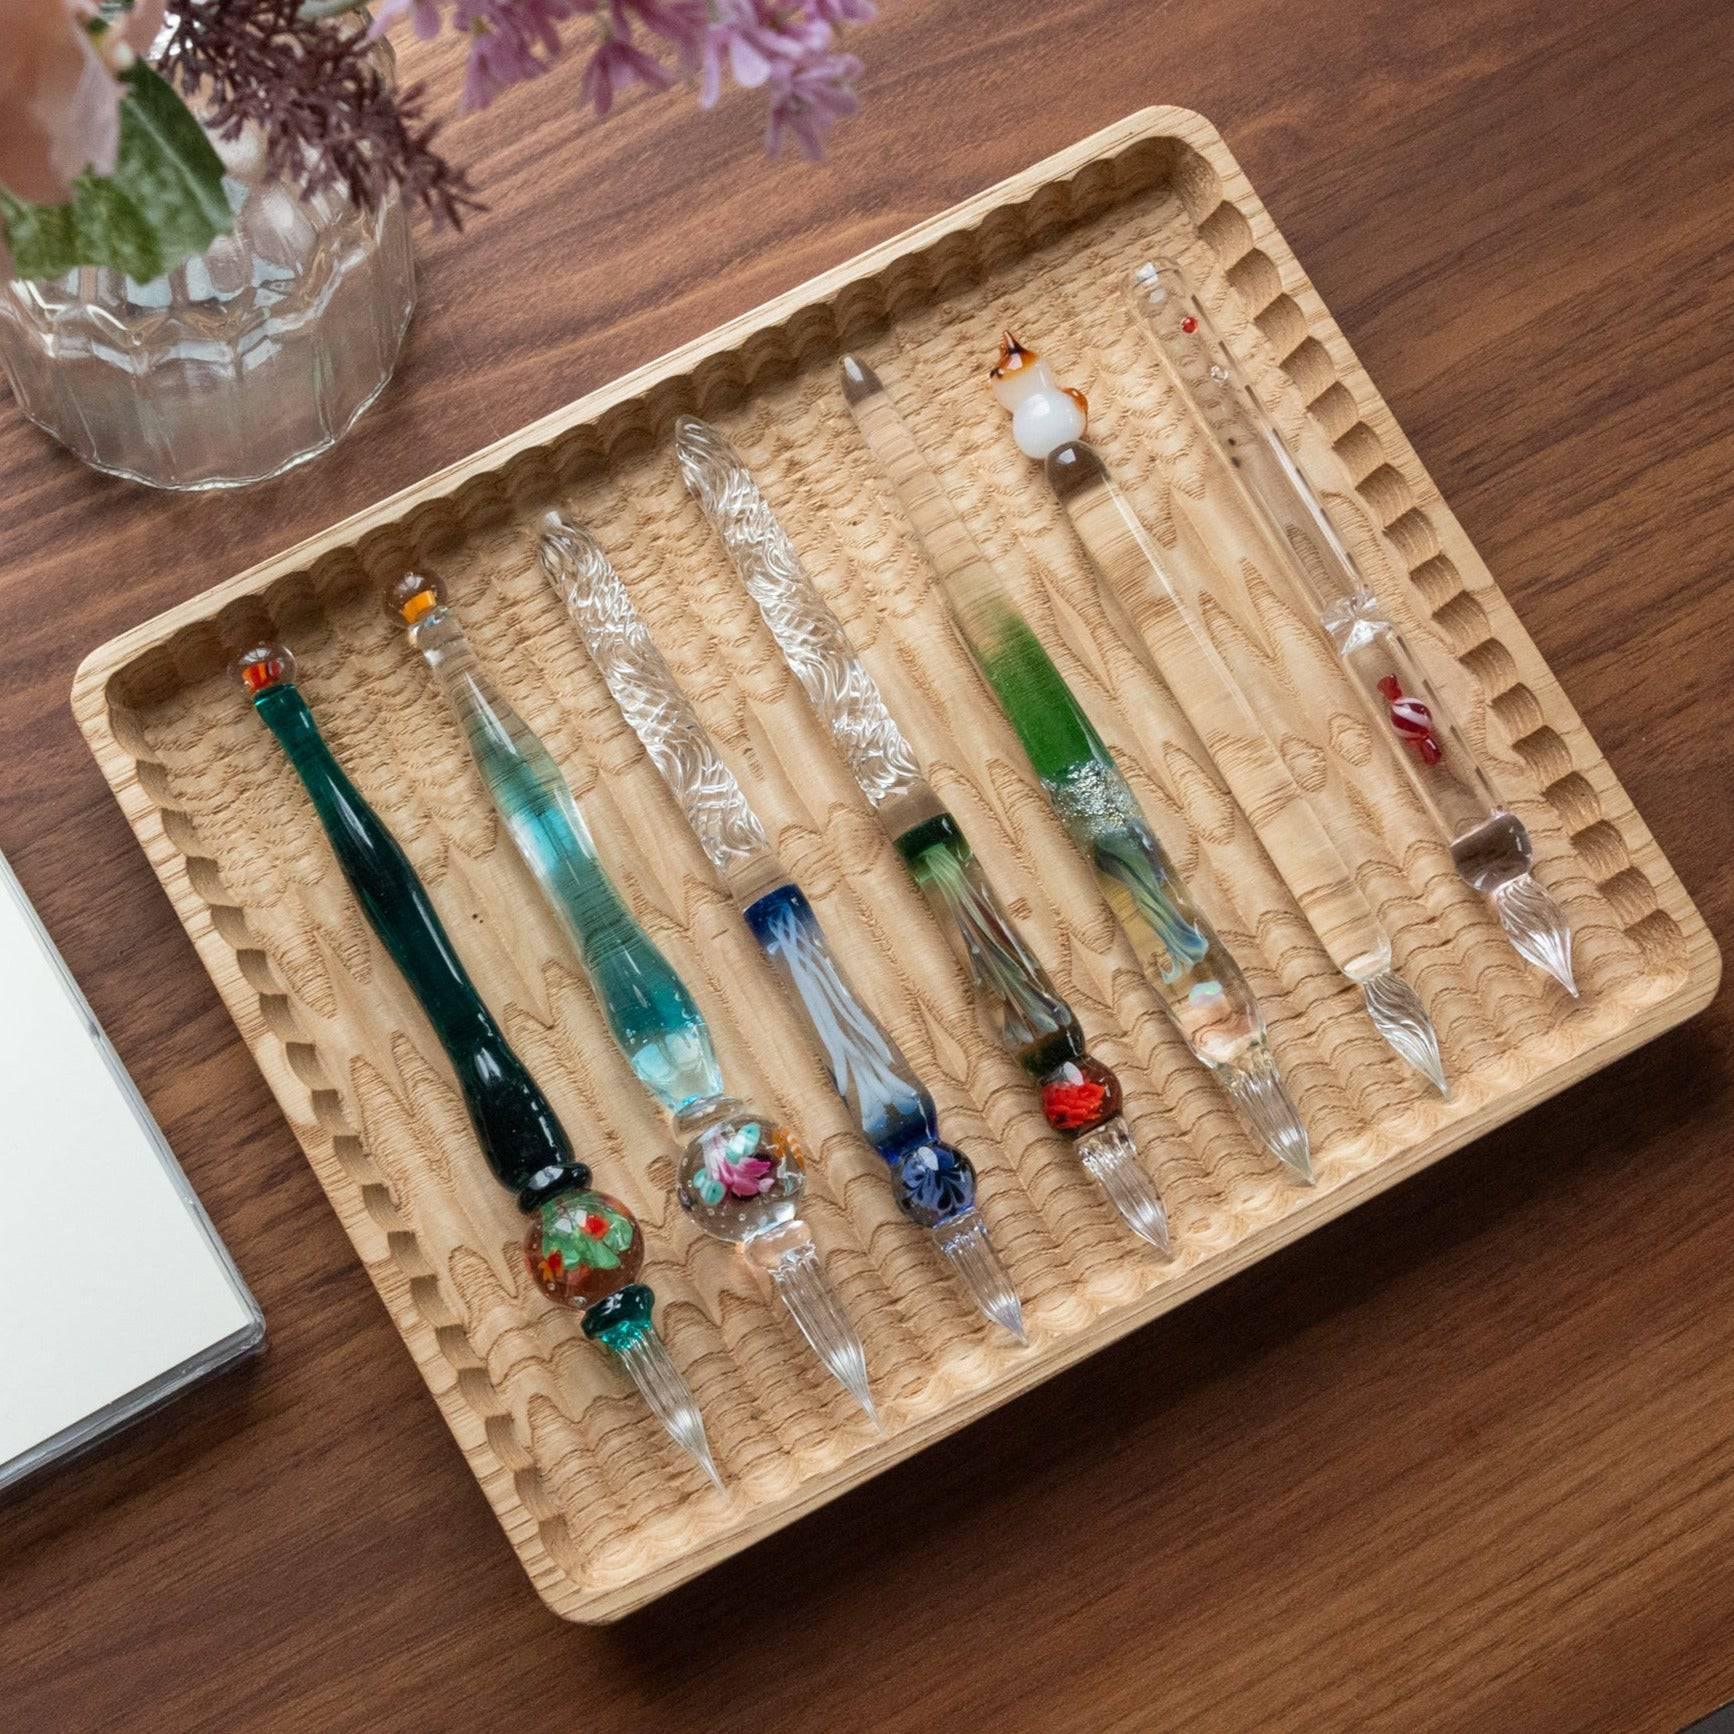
(604, 1514)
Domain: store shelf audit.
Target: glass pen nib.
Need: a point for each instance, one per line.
(1111, 1159)
(668, 1396)
(1536, 927)
(1399, 1016)
(1256, 1088)
(789, 1258)
(963, 1240)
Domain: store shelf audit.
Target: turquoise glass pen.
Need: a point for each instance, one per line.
(741, 1175)
(583, 1248)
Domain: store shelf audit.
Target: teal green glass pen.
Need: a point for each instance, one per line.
(584, 1248)
(741, 1175)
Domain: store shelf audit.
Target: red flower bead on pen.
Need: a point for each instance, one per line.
(1079, 1096)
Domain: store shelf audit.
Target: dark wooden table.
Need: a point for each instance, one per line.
(1464, 1459)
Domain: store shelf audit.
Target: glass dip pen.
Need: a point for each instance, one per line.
(1345, 923)
(741, 1175)
(1080, 1096)
(584, 1249)
(1199, 983)
(1490, 846)
(934, 1184)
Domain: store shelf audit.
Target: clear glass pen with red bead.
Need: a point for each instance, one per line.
(1490, 847)
(1080, 1096)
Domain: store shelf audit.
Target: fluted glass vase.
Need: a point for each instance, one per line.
(254, 356)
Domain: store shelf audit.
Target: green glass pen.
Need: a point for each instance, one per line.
(583, 1248)
(741, 1175)
(1201, 986)
(1081, 1097)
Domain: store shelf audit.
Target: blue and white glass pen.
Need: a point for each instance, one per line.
(935, 1184)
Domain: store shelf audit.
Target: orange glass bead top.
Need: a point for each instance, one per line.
(266, 666)
(413, 596)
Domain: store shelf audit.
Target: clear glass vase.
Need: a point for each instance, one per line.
(248, 359)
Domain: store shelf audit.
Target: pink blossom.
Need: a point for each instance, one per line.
(424, 14)
(510, 41)
(756, 38)
(59, 94)
(784, 34)
(616, 66)
(808, 100)
(678, 22)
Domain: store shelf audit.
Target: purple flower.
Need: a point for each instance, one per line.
(505, 36)
(808, 100)
(787, 46)
(749, 1178)
(680, 23)
(757, 38)
(785, 33)
(617, 65)
(425, 14)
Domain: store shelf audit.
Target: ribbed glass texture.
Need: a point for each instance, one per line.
(254, 356)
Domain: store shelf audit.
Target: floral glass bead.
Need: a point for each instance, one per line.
(582, 1247)
(741, 1176)
(1079, 1096)
(934, 1183)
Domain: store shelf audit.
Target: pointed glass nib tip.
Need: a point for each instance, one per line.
(1257, 1090)
(1399, 1016)
(970, 1253)
(665, 1392)
(1111, 1158)
(801, 1286)
(1536, 927)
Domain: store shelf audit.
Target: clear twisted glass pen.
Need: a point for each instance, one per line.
(934, 1184)
(1080, 1096)
(583, 1248)
(1211, 699)
(1490, 847)
(741, 1175)
(1200, 984)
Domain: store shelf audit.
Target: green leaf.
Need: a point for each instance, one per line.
(595, 1253)
(43, 238)
(170, 168)
(619, 1234)
(164, 202)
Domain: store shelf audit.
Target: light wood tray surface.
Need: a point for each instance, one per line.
(603, 1513)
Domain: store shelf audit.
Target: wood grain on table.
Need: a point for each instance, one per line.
(1462, 1459)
